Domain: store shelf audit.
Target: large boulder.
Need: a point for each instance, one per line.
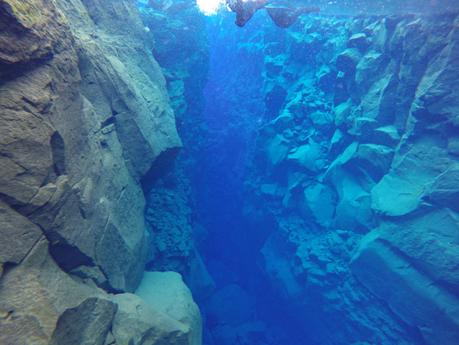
(86, 324)
(399, 263)
(137, 322)
(320, 202)
(411, 170)
(308, 156)
(41, 302)
(37, 300)
(167, 293)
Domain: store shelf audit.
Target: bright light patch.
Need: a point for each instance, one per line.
(210, 7)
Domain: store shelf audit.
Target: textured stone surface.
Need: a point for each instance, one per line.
(137, 322)
(15, 245)
(167, 293)
(72, 126)
(86, 324)
(383, 120)
(33, 297)
(84, 122)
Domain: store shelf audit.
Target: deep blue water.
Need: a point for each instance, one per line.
(298, 146)
(235, 108)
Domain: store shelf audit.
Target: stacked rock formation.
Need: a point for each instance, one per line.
(85, 121)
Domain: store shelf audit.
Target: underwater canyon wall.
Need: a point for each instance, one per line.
(85, 122)
(358, 165)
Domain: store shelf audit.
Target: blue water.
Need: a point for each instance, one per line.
(289, 138)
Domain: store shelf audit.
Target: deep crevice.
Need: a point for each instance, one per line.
(58, 152)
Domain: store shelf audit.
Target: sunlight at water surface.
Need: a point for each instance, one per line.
(210, 7)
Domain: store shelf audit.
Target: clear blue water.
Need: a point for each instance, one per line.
(289, 137)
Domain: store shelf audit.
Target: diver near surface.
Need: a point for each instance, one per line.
(282, 15)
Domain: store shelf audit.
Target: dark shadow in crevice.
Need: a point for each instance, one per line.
(163, 164)
(58, 152)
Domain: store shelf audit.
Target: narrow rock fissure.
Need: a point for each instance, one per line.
(173, 172)
(287, 137)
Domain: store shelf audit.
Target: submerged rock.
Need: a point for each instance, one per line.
(368, 241)
(167, 293)
(84, 121)
(88, 323)
(400, 264)
(137, 322)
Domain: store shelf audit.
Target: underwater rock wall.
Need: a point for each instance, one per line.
(85, 121)
(181, 48)
(358, 167)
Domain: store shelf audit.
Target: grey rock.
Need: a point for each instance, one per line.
(86, 324)
(62, 168)
(34, 295)
(22, 41)
(18, 235)
(84, 120)
(167, 293)
(136, 322)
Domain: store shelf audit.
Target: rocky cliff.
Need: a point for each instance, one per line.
(358, 166)
(85, 122)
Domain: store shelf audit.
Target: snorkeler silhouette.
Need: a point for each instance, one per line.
(283, 16)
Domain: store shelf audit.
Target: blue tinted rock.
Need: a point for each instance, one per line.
(308, 156)
(407, 180)
(353, 210)
(386, 135)
(359, 41)
(326, 78)
(342, 113)
(277, 149)
(374, 159)
(347, 61)
(417, 298)
(167, 293)
(320, 200)
(444, 190)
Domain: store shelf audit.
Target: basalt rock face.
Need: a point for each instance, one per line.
(84, 121)
(364, 142)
